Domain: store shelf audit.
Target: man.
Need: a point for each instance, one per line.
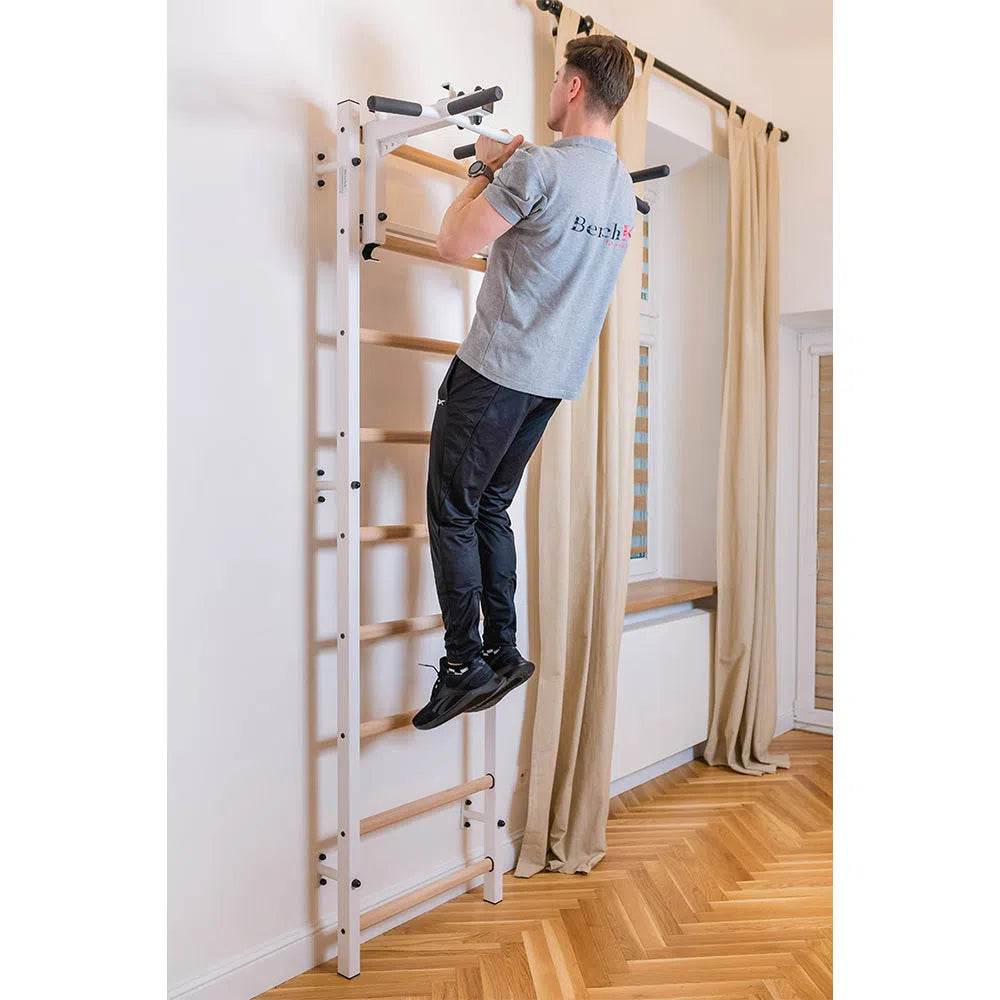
(560, 218)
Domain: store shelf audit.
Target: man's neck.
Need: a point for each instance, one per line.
(604, 134)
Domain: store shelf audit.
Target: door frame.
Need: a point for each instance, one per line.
(812, 345)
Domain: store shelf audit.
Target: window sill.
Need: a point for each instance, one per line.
(660, 592)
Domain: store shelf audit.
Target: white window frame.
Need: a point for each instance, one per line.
(649, 567)
(811, 346)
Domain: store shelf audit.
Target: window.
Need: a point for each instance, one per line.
(640, 509)
(644, 294)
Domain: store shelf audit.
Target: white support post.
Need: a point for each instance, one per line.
(348, 430)
(492, 880)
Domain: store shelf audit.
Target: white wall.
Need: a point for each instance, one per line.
(773, 57)
(251, 84)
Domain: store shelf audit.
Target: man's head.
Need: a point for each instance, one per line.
(591, 85)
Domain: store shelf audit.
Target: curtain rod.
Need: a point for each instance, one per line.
(587, 23)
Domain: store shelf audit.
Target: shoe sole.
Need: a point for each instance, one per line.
(512, 680)
(461, 706)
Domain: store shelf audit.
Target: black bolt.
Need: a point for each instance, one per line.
(342, 931)
(320, 472)
(342, 231)
(342, 535)
(341, 128)
(341, 735)
(500, 822)
(467, 823)
(341, 433)
(322, 881)
(356, 883)
(320, 499)
(382, 216)
(321, 156)
(355, 160)
(322, 857)
(468, 802)
(342, 333)
(342, 636)
(322, 183)
(355, 485)
(342, 832)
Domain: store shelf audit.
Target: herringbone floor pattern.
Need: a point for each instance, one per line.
(715, 884)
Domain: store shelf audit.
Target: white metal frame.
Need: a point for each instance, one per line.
(811, 346)
(381, 137)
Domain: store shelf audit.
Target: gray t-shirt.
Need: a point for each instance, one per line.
(550, 277)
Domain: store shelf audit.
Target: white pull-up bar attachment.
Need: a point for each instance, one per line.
(405, 119)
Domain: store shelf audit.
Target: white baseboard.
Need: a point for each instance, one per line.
(290, 955)
(627, 781)
(813, 727)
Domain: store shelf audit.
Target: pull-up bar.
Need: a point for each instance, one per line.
(646, 174)
(409, 118)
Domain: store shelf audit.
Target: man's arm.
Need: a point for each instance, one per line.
(470, 223)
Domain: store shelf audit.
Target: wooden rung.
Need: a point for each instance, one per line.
(373, 727)
(378, 435)
(425, 159)
(390, 532)
(418, 806)
(382, 630)
(394, 906)
(401, 626)
(372, 435)
(408, 232)
(403, 340)
(414, 248)
(380, 533)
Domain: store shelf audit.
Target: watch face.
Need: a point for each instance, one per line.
(476, 167)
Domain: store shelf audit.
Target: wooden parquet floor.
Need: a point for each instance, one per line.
(715, 885)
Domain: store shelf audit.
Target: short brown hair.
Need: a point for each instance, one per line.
(608, 69)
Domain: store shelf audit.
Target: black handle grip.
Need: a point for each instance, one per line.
(393, 107)
(649, 173)
(643, 206)
(463, 152)
(477, 99)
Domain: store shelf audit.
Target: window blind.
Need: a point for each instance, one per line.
(640, 535)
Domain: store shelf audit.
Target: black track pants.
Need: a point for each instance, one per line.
(481, 439)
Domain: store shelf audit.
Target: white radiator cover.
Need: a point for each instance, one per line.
(663, 689)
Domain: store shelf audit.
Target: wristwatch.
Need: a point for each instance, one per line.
(479, 168)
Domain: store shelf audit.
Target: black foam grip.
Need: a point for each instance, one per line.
(643, 206)
(649, 173)
(476, 99)
(393, 107)
(463, 152)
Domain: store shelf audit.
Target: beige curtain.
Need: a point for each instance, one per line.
(584, 467)
(745, 683)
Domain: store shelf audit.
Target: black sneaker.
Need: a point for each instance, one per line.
(512, 669)
(455, 689)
